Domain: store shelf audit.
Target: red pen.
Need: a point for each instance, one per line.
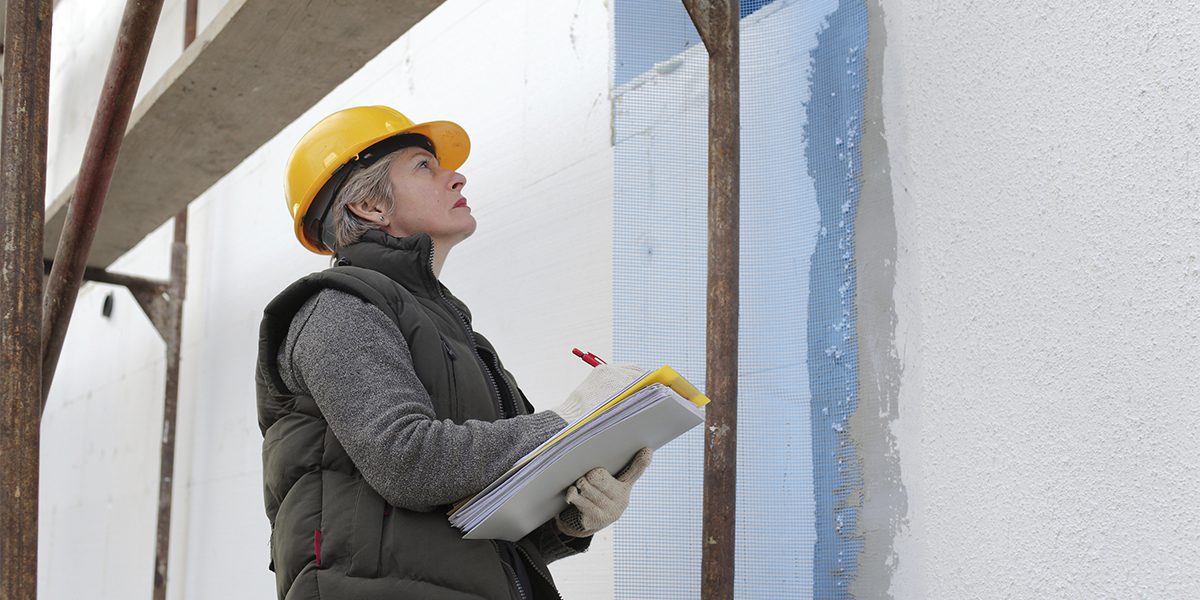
(588, 357)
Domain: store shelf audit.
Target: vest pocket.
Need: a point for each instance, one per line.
(369, 509)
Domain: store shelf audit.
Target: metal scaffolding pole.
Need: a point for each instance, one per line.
(134, 283)
(717, 22)
(99, 158)
(22, 216)
(172, 332)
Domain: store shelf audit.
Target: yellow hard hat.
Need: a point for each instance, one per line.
(338, 140)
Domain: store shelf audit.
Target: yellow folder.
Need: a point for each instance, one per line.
(664, 375)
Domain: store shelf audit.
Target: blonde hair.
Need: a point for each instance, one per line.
(371, 185)
(369, 182)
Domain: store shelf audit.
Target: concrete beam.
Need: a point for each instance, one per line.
(254, 70)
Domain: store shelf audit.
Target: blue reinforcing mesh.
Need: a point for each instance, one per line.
(802, 87)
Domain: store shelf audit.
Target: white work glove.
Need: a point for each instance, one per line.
(604, 382)
(597, 499)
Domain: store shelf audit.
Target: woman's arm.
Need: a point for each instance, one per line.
(355, 364)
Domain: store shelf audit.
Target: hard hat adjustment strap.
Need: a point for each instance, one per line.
(322, 227)
(387, 146)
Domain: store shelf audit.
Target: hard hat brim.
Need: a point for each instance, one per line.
(450, 141)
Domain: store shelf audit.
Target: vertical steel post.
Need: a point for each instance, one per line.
(99, 159)
(189, 23)
(22, 219)
(173, 336)
(717, 21)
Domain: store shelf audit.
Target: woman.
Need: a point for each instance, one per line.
(380, 406)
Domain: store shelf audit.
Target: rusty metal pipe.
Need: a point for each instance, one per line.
(717, 21)
(22, 218)
(132, 282)
(99, 158)
(173, 336)
(189, 22)
(129, 281)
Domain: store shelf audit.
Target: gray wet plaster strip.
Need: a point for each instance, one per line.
(884, 501)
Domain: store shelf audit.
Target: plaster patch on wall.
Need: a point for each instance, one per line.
(884, 505)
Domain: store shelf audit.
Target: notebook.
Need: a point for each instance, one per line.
(650, 412)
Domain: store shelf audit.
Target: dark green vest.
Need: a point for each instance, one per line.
(318, 502)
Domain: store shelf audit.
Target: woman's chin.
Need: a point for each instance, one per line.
(469, 231)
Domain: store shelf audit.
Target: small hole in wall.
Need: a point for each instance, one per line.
(108, 306)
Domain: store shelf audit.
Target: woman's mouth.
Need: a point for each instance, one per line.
(461, 203)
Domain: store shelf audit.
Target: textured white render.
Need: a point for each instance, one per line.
(1043, 164)
(530, 81)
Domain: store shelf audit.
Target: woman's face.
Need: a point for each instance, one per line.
(428, 199)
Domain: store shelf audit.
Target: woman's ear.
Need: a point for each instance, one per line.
(368, 211)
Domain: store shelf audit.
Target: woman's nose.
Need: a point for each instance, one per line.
(457, 181)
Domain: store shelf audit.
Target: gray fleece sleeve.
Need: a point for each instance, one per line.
(355, 364)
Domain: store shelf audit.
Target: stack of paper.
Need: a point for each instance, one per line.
(649, 413)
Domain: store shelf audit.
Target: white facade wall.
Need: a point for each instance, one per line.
(1043, 162)
(1042, 166)
(529, 80)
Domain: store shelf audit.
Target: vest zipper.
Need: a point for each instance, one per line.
(517, 404)
(516, 408)
(509, 570)
(538, 570)
(516, 581)
(455, 403)
(470, 334)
